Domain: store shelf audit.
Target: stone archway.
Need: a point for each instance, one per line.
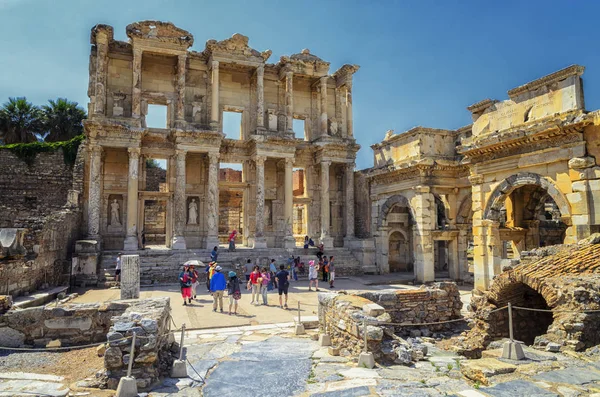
(395, 200)
(505, 188)
(395, 214)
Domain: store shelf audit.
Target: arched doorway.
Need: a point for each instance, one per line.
(399, 253)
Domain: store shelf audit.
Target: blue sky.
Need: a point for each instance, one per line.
(422, 62)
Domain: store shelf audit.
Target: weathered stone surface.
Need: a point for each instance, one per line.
(517, 388)
(11, 338)
(481, 370)
(81, 323)
(113, 358)
(573, 376)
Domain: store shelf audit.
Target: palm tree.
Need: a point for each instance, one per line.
(62, 120)
(20, 121)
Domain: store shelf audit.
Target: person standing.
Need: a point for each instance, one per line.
(231, 240)
(265, 281)
(272, 266)
(233, 291)
(313, 275)
(210, 269)
(185, 282)
(248, 267)
(283, 284)
(195, 283)
(305, 242)
(331, 272)
(214, 254)
(217, 287)
(254, 284)
(118, 269)
(320, 251)
(325, 268)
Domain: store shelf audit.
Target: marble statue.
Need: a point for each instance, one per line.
(193, 213)
(114, 214)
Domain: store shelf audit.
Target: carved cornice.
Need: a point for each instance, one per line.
(481, 105)
(101, 29)
(417, 170)
(164, 32)
(236, 45)
(573, 70)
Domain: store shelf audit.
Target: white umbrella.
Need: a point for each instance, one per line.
(194, 262)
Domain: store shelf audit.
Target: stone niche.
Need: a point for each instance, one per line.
(114, 211)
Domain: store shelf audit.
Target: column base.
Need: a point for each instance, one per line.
(178, 243)
(259, 242)
(289, 242)
(327, 241)
(131, 243)
(261, 130)
(212, 242)
(350, 242)
(214, 125)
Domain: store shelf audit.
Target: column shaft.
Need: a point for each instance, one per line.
(94, 199)
(324, 128)
(325, 238)
(101, 67)
(179, 201)
(181, 69)
(289, 204)
(259, 239)
(131, 240)
(213, 201)
(136, 97)
(214, 113)
(350, 201)
(289, 101)
(424, 207)
(260, 98)
(349, 125)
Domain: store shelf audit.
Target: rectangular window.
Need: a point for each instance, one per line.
(157, 116)
(156, 175)
(230, 172)
(232, 124)
(299, 126)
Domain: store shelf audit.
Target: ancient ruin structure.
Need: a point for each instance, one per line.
(523, 175)
(197, 90)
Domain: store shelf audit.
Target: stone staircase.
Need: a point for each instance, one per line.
(162, 266)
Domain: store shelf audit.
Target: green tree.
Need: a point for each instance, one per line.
(20, 121)
(152, 163)
(62, 120)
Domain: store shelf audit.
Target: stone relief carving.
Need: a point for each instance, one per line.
(193, 212)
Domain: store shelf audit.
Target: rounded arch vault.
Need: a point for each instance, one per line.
(396, 199)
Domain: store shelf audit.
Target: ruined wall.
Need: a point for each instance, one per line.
(362, 205)
(32, 190)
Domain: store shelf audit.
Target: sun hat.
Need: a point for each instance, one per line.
(232, 274)
(218, 268)
(311, 263)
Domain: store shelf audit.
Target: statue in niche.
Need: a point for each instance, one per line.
(193, 213)
(114, 214)
(268, 220)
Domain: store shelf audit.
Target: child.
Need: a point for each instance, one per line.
(234, 292)
(266, 280)
(313, 275)
(254, 284)
(185, 281)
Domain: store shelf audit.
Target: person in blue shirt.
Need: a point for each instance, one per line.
(214, 254)
(217, 288)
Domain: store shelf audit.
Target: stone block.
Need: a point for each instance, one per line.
(512, 351)
(127, 387)
(179, 369)
(11, 338)
(366, 360)
(480, 370)
(373, 309)
(130, 277)
(80, 323)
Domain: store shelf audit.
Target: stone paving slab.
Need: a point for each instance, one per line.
(353, 392)
(30, 376)
(32, 388)
(517, 388)
(572, 376)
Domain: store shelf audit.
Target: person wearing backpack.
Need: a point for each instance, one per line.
(283, 283)
(217, 287)
(185, 282)
(234, 292)
(325, 269)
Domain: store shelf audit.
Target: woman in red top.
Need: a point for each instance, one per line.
(231, 240)
(254, 284)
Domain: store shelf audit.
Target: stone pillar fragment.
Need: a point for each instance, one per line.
(131, 240)
(180, 104)
(130, 277)
(289, 101)
(349, 204)
(260, 98)
(325, 238)
(259, 238)
(214, 112)
(212, 219)
(101, 68)
(179, 202)
(424, 208)
(323, 120)
(289, 241)
(349, 125)
(136, 97)
(94, 198)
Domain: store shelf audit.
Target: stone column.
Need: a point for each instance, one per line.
(180, 104)
(179, 202)
(136, 97)
(325, 238)
(212, 219)
(259, 235)
(260, 98)
(324, 105)
(101, 68)
(131, 240)
(289, 241)
(130, 277)
(289, 100)
(94, 199)
(488, 264)
(481, 273)
(349, 204)
(424, 208)
(349, 126)
(214, 112)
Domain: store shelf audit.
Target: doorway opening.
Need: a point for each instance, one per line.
(155, 223)
(155, 171)
(231, 202)
(400, 253)
(440, 258)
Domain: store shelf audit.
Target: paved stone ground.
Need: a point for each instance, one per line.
(200, 314)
